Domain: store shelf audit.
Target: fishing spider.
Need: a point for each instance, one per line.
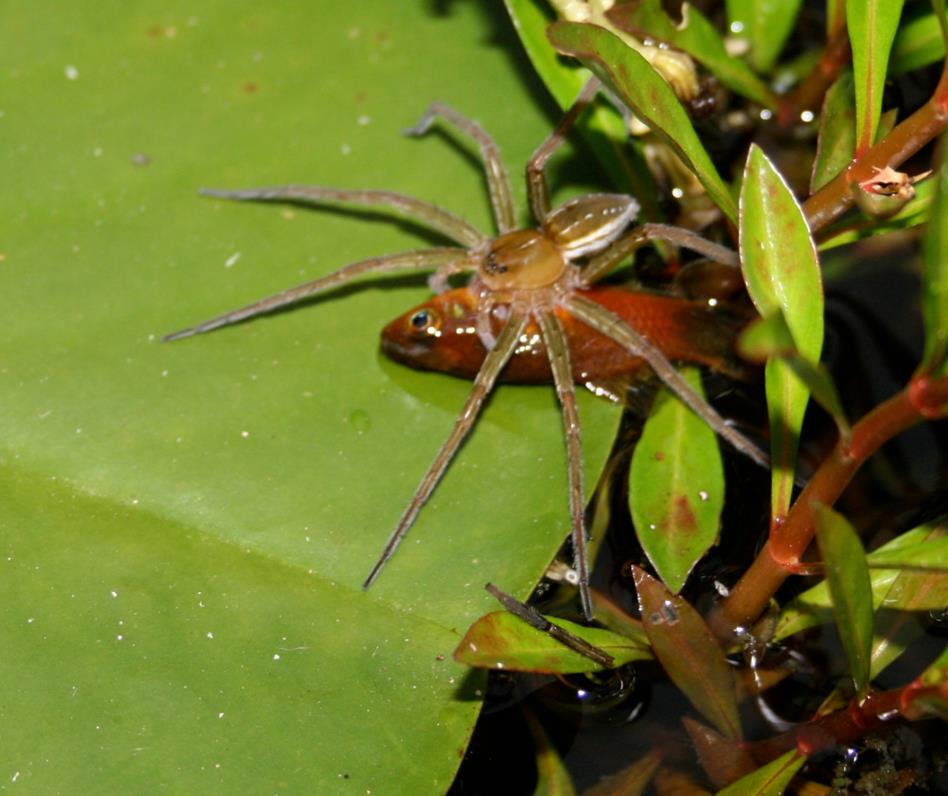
(523, 280)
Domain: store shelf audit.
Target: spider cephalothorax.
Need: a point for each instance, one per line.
(530, 289)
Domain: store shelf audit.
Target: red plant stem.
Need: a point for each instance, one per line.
(923, 398)
(856, 721)
(907, 138)
(809, 94)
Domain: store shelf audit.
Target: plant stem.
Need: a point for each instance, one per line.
(809, 94)
(922, 399)
(907, 138)
(857, 720)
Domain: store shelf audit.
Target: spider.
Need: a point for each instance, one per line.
(526, 283)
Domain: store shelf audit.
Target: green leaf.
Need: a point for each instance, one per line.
(847, 576)
(765, 27)
(676, 486)
(696, 36)
(935, 277)
(837, 138)
(241, 484)
(769, 780)
(912, 589)
(770, 337)
(782, 273)
(647, 94)
(872, 25)
(501, 640)
(602, 126)
(689, 653)
(918, 42)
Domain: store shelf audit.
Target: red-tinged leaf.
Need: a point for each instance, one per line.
(781, 270)
(696, 36)
(723, 759)
(552, 776)
(631, 781)
(689, 653)
(769, 780)
(770, 337)
(847, 575)
(764, 26)
(634, 80)
(500, 640)
(898, 590)
(676, 487)
(872, 25)
(837, 137)
(935, 279)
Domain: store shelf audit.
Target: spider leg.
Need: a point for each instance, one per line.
(536, 179)
(558, 352)
(423, 258)
(616, 252)
(613, 327)
(485, 307)
(498, 182)
(494, 363)
(438, 281)
(445, 222)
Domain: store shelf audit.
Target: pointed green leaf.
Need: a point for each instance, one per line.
(872, 25)
(647, 94)
(781, 270)
(918, 42)
(770, 337)
(676, 486)
(935, 278)
(621, 158)
(689, 653)
(847, 576)
(500, 640)
(764, 26)
(837, 137)
(916, 589)
(769, 780)
(696, 36)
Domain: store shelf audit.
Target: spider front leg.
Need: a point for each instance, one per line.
(613, 327)
(424, 258)
(621, 248)
(536, 179)
(494, 363)
(498, 181)
(426, 213)
(558, 352)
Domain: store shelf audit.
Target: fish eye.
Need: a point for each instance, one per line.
(425, 320)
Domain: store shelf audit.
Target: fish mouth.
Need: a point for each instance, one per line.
(413, 353)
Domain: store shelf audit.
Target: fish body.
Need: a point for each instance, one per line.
(441, 335)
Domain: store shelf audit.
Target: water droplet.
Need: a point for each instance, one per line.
(360, 421)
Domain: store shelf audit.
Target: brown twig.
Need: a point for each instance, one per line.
(809, 93)
(922, 399)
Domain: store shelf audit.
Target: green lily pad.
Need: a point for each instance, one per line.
(259, 469)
